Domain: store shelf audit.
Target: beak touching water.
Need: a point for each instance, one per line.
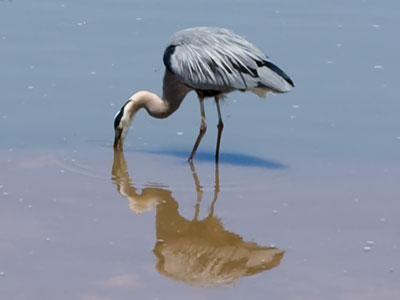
(118, 140)
(122, 121)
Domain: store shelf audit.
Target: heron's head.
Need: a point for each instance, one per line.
(122, 121)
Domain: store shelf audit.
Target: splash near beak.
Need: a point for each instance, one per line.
(118, 141)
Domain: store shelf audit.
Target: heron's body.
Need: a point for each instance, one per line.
(212, 62)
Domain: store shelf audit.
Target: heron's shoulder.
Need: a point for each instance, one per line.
(201, 35)
(190, 42)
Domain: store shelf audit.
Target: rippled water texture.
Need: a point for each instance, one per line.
(303, 205)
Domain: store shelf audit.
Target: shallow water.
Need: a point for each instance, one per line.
(305, 201)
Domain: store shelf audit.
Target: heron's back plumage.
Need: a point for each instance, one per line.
(216, 59)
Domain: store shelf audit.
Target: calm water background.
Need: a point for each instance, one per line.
(313, 172)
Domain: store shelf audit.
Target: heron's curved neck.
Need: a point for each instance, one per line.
(155, 106)
(174, 91)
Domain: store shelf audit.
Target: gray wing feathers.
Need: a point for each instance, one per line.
(217, 59)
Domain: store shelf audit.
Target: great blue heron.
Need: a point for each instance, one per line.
(212, 62)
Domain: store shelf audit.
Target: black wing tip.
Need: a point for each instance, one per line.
(278, 71)
(290, 81)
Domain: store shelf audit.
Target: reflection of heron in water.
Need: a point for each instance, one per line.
(198, 252)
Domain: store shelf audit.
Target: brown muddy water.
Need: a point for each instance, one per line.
(304, 204)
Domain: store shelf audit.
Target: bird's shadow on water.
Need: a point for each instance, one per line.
(237, 159)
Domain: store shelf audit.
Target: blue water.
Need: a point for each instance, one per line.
(341, 55)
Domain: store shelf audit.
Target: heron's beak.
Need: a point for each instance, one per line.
(117, 139)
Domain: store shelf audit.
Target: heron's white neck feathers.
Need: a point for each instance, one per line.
(127, 117)
(153, 104)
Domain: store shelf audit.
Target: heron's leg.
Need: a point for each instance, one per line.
(199, 191)
(216, 190)
(220, 128)
(203, 128)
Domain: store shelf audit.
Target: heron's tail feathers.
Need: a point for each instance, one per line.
(273, 78)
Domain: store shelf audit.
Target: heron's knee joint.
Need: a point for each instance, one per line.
(220, 125)
(203, 128)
